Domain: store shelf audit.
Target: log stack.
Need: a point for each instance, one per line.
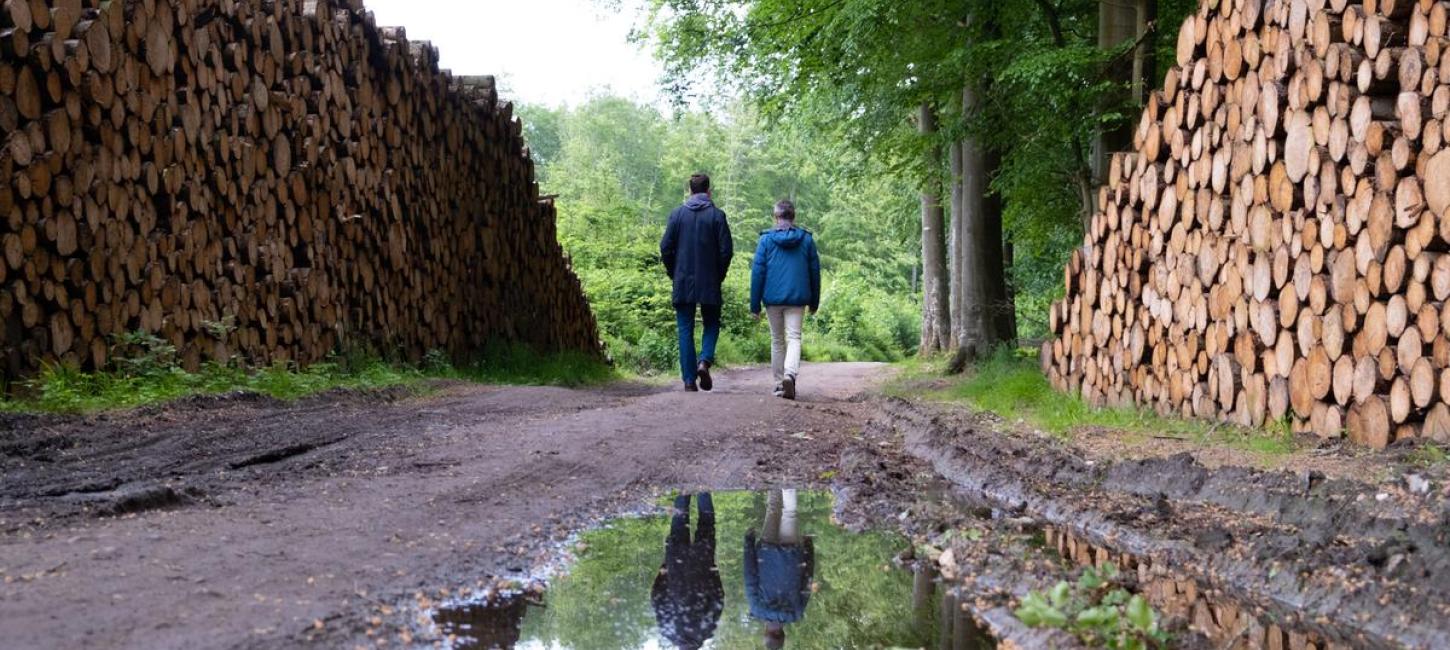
(265, 179)
(1276, 247)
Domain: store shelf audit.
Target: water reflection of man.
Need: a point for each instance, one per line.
(687, 595)
(779, 568)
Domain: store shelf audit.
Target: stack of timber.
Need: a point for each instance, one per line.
(1277, 244)
(266, 179)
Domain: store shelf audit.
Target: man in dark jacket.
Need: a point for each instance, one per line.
(786, 278)
(688, 596)
(696, 250)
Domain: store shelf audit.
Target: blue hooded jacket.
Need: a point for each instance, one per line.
(696, 251)
(778, 578)
(787, 270)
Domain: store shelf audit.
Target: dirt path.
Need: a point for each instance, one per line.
(241, 522)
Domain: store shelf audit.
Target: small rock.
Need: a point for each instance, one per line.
(1417, 484)
(948, 564)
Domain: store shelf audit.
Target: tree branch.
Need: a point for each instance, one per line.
(799, 15)
(1148, 31)
(1054, 22)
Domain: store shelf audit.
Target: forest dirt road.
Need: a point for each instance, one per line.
(243, 522)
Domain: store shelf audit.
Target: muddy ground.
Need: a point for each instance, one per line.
(242, 522)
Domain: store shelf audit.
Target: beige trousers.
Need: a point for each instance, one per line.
(780, 518)
(785, 339)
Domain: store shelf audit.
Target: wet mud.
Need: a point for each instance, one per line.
(241, 522)
(1342, 562)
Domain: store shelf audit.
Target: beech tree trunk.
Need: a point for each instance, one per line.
(936, 333)
(956, 287)
(1001, 307)
(1117, 24)
(978, 275)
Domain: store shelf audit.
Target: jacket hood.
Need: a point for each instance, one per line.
(790, 238)
(699, 202)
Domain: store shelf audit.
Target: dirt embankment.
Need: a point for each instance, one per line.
(1249, 554)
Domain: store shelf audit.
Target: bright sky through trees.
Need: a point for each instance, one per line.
(543, 51)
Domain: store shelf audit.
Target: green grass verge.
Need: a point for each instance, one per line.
(61, 389)
(1429, 455)
(1011, 385)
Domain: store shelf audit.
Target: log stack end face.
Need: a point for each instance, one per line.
(266, 180)
(1276, 247)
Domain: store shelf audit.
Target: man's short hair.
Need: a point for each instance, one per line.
(785, 210)
(699, 184)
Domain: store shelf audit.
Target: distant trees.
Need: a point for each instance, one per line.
(618, 167)
(997, 109)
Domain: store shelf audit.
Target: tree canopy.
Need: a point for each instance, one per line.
(858, 69)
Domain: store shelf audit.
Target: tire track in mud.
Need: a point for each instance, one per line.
(1342, 561)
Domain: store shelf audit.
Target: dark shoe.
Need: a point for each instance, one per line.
(690, 387)
(703, 370)
(787, 388)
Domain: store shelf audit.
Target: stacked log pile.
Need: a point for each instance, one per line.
(1277, 245)
(269, 179)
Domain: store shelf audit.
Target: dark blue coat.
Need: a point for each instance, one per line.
(787, 270)
(696, 250)
(778, 578)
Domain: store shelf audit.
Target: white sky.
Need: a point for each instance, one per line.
(542, 51)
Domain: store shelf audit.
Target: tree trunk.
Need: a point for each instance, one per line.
(1145, 63)
(935, 305)
(1117, 23)
(978, 228)
(955, 238)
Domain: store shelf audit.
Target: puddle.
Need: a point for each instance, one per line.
(664, 582)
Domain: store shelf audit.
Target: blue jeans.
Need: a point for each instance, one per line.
(685, 327)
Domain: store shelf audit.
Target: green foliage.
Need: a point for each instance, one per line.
(1429, 455)
(620, 167)
(861, 601)
(859, 69)
(1097, 610)
(146, 371)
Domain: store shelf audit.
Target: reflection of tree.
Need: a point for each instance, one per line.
(492, 626)
(959, 630)
(860, 601)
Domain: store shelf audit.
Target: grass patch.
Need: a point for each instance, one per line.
(522, 365)
(1428, 455)
(1011, 385)
(152, 375)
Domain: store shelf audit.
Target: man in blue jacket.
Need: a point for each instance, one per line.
(780, 566)
(696, 250)
(786, 278)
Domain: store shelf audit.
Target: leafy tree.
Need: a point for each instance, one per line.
(1026, 84)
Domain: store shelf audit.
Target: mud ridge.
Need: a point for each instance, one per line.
(1318, 557)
